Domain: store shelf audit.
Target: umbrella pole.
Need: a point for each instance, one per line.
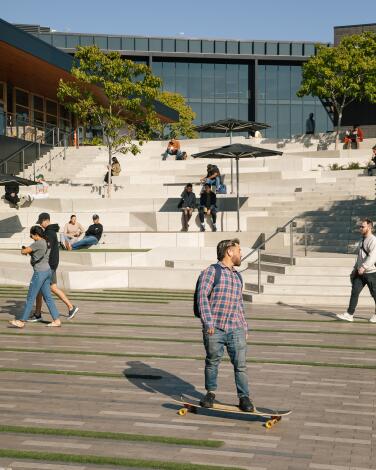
(237, 192)
(232, 168)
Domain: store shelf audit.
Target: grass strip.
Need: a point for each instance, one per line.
(88, 299)
(116, 436)
(104, 460)
(164, 356)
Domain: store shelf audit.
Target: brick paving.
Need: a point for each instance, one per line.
(144, 364)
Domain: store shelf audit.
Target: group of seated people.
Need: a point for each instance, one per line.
(208, 200)
(71, 237)
(353, 135)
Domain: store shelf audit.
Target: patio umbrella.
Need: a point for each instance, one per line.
(231, 125)
(7, 179)
(237, 151)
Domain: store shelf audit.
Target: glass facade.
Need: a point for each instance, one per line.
(278, 105)
(213, 90)
(255, 80)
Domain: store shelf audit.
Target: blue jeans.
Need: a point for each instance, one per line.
(214, 181)
(86, 242)
(40, 282)
(236, 345)
(178, 154)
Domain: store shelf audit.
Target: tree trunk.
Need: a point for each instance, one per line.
(109, 183)
(337, 130)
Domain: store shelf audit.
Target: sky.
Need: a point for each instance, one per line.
(298, 20)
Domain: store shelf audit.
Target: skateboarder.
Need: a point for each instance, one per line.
(364, 271)
(221, 309)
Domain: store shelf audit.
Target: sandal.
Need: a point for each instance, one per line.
(54, 324)
(16, 324)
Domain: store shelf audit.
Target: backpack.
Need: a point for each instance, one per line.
(217, 278)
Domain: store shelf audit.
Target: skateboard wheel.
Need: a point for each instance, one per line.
(182, 411)
(269, 424)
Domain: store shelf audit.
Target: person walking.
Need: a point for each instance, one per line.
(364, 271)
(221, 309)
(50, 231)
(39, 252)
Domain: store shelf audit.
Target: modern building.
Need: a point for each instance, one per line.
(220, 78)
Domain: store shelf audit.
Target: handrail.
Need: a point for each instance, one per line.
(278, 230)
(291, 223)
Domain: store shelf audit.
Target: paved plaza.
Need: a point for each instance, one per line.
(97, 393)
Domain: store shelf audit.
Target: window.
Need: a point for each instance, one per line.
(194, 45)
(271, 48)
(168, 45)
(141, 44)
(232, 47)
(22, 97)
(246, 48)
(46, 38)
(259, 48)
(73, 41)
(59, 40)
(114, 43)
(127, 44)
(51, 107)
(100, 41)
(220, 47)
(296, 48)
(309, 49)
(87, 40)
(195, 89)
(155, 45)
(181, 45)
(284, 48)
(208, 47)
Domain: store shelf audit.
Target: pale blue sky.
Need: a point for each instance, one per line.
(311, 20)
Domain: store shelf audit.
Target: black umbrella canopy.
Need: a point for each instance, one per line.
(231, 125)
(237, 151)
(9, 179)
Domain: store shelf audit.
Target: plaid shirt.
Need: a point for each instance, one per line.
(221, 307)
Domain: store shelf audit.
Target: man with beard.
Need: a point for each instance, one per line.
(221, 309)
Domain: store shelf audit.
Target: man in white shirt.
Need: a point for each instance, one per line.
(364, 271)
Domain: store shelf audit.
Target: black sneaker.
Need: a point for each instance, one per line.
(72, 312)
(245, 404)
(208, 400)
(35, 318)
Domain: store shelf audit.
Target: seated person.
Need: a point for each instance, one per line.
(72, 232)
(213, 176)
(11, 193)
(92, 235)
(208, 201)
(372, 165)
(187, 205)
(353, 135)
(115, 169)
(173, 148)
(41, 188)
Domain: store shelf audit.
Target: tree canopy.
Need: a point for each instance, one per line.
(112, 93)
(184, 127)
(342, 74)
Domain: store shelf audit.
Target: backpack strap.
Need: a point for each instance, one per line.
(362, 248)
(218, 272)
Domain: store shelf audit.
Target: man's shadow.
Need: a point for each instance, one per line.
(153, 380)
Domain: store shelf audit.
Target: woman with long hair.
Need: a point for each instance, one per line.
(39, 252)
(72, 232)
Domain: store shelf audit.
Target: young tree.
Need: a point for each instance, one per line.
(342, 74)
(115, 94)
(184, 127)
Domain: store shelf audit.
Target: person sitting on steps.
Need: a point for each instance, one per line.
(187, 205)
(208, 206)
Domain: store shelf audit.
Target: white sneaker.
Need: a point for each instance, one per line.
(373, 318)
(345, 316)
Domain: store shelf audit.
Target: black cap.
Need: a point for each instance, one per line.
(43, 216)
(95, 216)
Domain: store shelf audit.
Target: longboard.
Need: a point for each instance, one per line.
(191, 405)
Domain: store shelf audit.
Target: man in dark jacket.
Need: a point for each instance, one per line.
(208, 201)
(92, 235)
(51, 231)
